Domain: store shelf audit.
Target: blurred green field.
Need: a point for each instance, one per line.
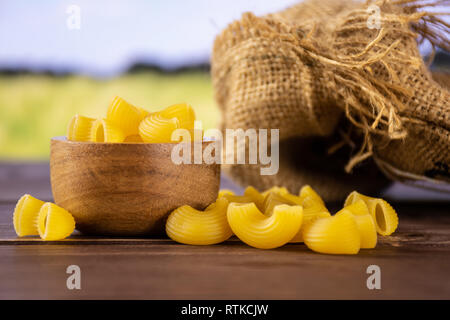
(34, 108)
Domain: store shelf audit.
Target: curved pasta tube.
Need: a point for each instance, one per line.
(238, 199)
(157, 129)
(263, 232)
(307, 191)
(338, 234)
(255, 196)
(190, 226)
(54, 222)
(312, 209)
(25, 215)
(80, 128)
(384, 216)
(224, 192)
(183, 112)
(364, 220)
(272, 200)
(279, 190)
(105, 131)
(125, 116)
(307, 220)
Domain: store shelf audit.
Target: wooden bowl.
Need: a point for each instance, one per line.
(126, 189)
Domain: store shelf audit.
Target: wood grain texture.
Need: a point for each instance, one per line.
(414, 263)
(127, 188)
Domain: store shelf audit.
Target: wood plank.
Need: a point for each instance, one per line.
(414, 262)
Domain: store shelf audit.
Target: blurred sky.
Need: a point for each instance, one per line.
(114, 34)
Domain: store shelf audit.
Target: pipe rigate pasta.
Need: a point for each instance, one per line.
(25, 215)
(337, 234)
(183, 112)
(384, 216)
(364, 220)
(307, 191)
(190, 226)
(80, 128)
(125, 116)
(256, 196)
(158, 129)
(263, 232)
(105, 131)
(54, 222)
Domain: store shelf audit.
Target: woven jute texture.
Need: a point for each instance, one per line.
(344, 94)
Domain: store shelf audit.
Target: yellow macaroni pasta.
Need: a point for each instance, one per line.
(263, 232)
(384, 216)
(190, 226)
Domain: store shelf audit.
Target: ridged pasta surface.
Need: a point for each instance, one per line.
(25, 215)
(126, 116)
(183, 112)
(365, 222)
(158, 129)
(105, 131)
(190, 226)
(260, 231)
(384, 216)
(337, 234)
(80, 128)
(54, 222)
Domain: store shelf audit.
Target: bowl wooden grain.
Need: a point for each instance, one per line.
(126, 189)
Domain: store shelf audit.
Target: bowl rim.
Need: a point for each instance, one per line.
(64, 139)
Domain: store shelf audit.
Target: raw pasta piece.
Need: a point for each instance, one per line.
(384, 216)
(272, 200)
(54, 222)
(237, 199)
(80, 128)
(25, 215)
(133, 139)
(256, 197)
(105, 131)
(293, 199)
(279, 190)
(364, 220)
(307, 191)
(190, 226)
(183, 112)
(224, 192)
(125, 116)
(333, 235)
(312, 209)
(157, 129)
(263, 232)
(308, 219)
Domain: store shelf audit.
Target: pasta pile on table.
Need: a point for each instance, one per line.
(127, 123)
(276, 217)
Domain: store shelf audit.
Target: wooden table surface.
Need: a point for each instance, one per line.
(414, 262)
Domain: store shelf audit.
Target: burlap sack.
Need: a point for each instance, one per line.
(318, 70)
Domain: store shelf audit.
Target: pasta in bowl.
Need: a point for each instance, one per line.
(128, 188)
